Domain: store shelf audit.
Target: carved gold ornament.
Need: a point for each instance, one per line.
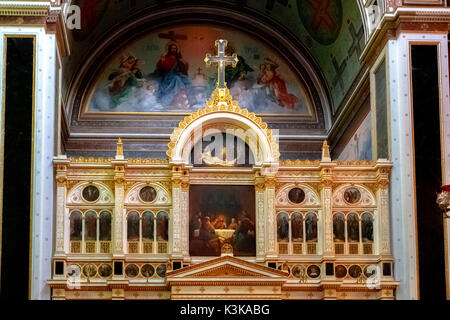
(220, 104)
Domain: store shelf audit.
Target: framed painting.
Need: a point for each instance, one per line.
(165, 72)
(222, 216)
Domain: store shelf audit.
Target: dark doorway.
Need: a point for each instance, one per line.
(427, 141)
(17, 168)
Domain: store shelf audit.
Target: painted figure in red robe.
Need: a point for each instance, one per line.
(276, 86)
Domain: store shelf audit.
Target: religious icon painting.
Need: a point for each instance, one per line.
(91, 193)
(313, 271)
(296, 195)
(283, 227)
(105, 270)
(353, 227)
(148, 194)
(73, 271)
(132, 271)
(370, 271)
(164, 72)
(355, 271)
(339, 227)
(298, 271)
(340, 271)
(222, 150)
(161, 270)
(147, 270)
(297, 227)
(352, 195)
(90, 270)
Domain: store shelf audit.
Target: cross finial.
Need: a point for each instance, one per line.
(221, 59)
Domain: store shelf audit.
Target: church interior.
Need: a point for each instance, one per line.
(214, 150)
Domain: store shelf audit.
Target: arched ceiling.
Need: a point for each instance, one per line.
(321, 40)
(331, 32)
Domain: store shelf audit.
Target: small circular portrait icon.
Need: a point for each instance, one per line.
(355, 271)
(147, 194)
(297, 195)
(147, 270)
(370, 271)
(73, 271)
(340, 271)
(313, 271)
(91, 193)
(132, 271)
(352, 195)
(90, 270)
(285, 267)
(298, 271)
(105, 270)
(161, 270)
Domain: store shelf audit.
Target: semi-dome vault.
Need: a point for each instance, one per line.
(315, 55)
(224, 115)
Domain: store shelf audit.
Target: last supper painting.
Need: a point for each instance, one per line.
(164, 72)
(222, 220)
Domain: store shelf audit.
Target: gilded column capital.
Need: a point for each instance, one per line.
(185, 186)
(270, 182)
(382, 184)
(61, 174)
(260, 186)
(326, 177)
(61, 180)
(325, 183)
(383, 178)
(176, 183)
(119, 177)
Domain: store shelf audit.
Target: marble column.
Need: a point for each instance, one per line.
(119, 241)
(326, 220)
(62, 247)
(271, 230)
(184, 219)
(175, 221)
(260, 220)
(382, 218)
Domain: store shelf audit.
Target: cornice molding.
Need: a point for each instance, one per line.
(392, 21)
(25, 8)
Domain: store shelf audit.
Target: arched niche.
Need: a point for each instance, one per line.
(366, 198)
(162, 196)
(105, 196)
(229, 115)
(311, 199)
(290, 50)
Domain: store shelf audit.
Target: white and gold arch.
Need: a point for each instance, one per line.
(222, 114)
(163, 195)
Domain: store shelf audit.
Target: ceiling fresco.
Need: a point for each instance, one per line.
(165, 72)
(330, 30)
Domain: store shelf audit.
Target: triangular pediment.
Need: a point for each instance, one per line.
(226, 267)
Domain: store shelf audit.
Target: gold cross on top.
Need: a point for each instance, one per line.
(222, 60)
